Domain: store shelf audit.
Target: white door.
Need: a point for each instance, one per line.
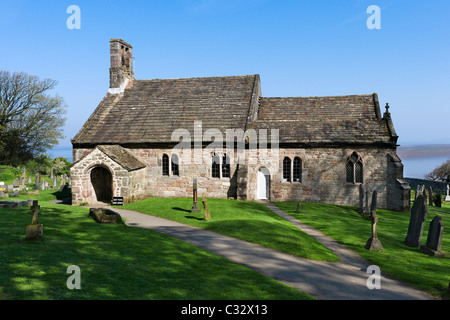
(262, 190)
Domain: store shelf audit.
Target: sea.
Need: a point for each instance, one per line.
(418, 160)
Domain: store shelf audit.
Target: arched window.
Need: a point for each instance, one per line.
(165, 165)
(225, 166)
(354, 169)
(287, 169)
(297, 172)
(215, 168)
(175, 165)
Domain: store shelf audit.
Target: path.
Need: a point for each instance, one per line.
(324, 280)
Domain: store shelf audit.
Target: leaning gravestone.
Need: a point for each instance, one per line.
(434, 240)
(419, 213)
(16, 183)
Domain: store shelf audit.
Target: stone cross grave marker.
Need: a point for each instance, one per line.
(35, 231)
(419, 213)
(434, 240)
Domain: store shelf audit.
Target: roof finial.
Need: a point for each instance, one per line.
(386, 113)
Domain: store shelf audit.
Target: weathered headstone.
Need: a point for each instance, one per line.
(373, 205)
(37, 182)
(419, 213)
(43, 184)
(206, 213)
(447, 198)
(366, 204)
(29, 179)
(103, 215)
(430, 196)
(374, 243)
(55, 182)
(299, 205)
(16, 183)
(195, 207)
(361, 198)
(434, 240)
(35, 231)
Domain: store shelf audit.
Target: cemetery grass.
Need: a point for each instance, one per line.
(245, 220)
(348, 227)
(117, 262)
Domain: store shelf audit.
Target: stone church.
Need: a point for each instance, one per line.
(152, 138)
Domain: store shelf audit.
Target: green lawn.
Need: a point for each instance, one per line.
(245, 220)
(348, 227)
(116, 262)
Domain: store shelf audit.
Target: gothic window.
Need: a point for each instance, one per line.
(215, 168)
(175, 165)
(165, 165)
(354, 169)
(287, 169)
(226, 166)
(297, 170)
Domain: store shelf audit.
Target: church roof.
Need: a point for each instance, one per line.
(149, 111)
(351, 119)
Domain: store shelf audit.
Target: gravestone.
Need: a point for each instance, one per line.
(35, 231)
(207, 214)
(55, 182)
(373, 205)
(16, 183)
(103, 215)
(419, 213)
(361, 198)
(434, 240)
(366, 204)
(43, 184)
(430, 196)
(37, 182)
(299, 205)
(29, 179)
(195, 207)
(447, 197)
(374, 243)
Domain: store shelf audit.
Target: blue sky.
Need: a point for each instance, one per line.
(300, 48)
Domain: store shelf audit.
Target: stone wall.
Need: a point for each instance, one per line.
(323, 176)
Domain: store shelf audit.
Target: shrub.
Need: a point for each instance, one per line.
(8, 173)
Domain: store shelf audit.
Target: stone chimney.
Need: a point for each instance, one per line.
(121, 71)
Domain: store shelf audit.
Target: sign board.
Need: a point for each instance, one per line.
(117, 201)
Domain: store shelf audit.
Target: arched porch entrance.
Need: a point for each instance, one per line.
(101, 180)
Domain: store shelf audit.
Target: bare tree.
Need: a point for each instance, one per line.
(31, 121)
(440, 173)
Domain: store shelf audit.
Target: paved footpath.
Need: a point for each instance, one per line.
(344, 280)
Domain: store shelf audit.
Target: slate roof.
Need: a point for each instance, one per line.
(351, 119)
(150, 110)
